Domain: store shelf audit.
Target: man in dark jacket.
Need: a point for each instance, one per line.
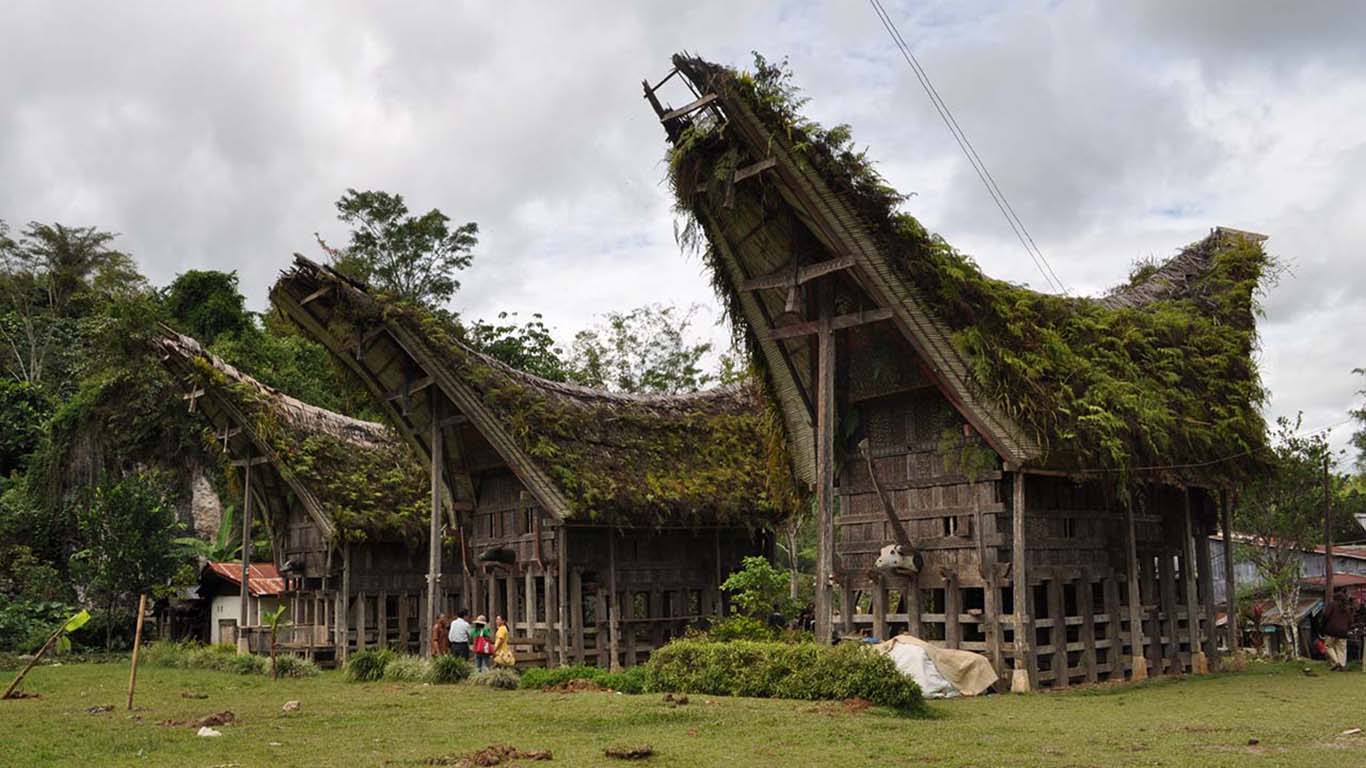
(1337, 623)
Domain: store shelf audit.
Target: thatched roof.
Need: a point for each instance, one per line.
(1158, 373)
(355, 478)
(709, 458)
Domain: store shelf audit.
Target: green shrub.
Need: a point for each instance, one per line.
(781, 670)
(740, 628)
(630, 680)
(25, 624)
(501, 678)
(539, 679)
(448, 669)
(368, 665)
(164, 653)
(288, 665)
(248, 664)
(407, 669)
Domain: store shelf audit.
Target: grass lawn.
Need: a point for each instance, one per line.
(1207, 721)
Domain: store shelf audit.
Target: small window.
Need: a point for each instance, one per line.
(949, 526)
(1069, 527)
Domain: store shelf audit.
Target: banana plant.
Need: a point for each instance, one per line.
(274, 620)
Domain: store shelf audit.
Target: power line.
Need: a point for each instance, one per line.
(970, 152)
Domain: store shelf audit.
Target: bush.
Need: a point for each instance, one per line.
(501, 678)
(782, 670)
(287, 665)
(627, 681)
(164, 653)
(740, 628)
(448, 669)
(368, 665)
(248, 664)
(407, 669)
(25, 624)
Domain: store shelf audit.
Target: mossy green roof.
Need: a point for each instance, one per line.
(1159, 373)
(365, 481)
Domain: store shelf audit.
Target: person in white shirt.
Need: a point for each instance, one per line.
(460, 634)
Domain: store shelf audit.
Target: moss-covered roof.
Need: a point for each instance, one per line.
(1158, 373)
(709, 458)
(357, 476)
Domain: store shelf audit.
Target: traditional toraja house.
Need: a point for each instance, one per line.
(599, 524)
(342, 499)
(1042, 466)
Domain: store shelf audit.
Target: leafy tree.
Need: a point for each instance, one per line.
(1283, 514)
(24, 408)
(226, 543)
(412, 257)
(127, 528)
(525, 346)
(1359, 438)
(206, 304)
(758, 588)
(274, 620)
(645, 350)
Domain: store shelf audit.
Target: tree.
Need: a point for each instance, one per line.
(24, 408)
(645, 350)
(413, 257)
(226, 544)
(1282, 512)
(525, 346)
(206, 304)
(127, 528)
(274, 620)
(1359, 438)
(758, 588)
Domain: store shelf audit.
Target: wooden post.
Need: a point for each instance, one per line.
(825, 469)
(913, 606)
(574, 615)
(953, 608)
(344, 607)
(569, 603)
(1168, 626)
(532, 609)
(879, 608)
(1235, 634)
(613, 601)
(1205, 582)
(137, 646)
(430, 611)
(1138, 663)
(1327, 536)
(991, 593)
(1199, 661)
(1024, 644)
(1113, 633)
(244, 592)
(1057, 610)
(361, 621)
(1086, 607)
(404, 637)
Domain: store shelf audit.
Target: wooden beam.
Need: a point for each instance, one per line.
(1230, 583)
(687, 109)
(838, 323)
(253, 461)
(243, 646)
(454, 421)
(430, 611)
(314, 296)
(613, 601)
(1167, 623)
(787, 277)
(1057, 610)
(1199, 661)
(753, 170)
(1086, 607)
(825, 470)
(409, 389)
(1204, 575)
(1024, 644)
(1138, 662)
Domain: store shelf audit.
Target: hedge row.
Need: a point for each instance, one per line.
(223, 658)
(383, 664)
(782, 671)
(631, 680)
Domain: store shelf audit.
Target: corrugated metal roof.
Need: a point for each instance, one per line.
(263, 579)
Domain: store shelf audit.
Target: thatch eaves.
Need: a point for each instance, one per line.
(354, 478)
(708, 458)
(1160, 373)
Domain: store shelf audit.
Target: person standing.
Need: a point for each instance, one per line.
(441, 636)
(1337, 624)
(460, 635)
(481, 642)
(502, 652)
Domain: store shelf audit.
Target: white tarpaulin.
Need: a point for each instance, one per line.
(942, 673)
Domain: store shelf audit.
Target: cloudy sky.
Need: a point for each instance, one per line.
(218, 136)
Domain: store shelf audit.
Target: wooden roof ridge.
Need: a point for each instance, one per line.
(845, 234)
(178, 353)
(1173, 278)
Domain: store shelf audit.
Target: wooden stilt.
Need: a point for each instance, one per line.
(1113, 632)
(1168, 629)
(1138, 663)
(880, 608)
(1199, 662)
(430, 612)
(1058, 613)
(1024, 640)
(344, 608)
(570, 602)
(1230, 583)
(825, 468)
(533, 610)
(574, 616)
(913, 606)
(953, 608)
(614, 601)
(1204, 576)
(362, 609)
(1086, 607)
(405, 639)
(244, 593)
(557, 641)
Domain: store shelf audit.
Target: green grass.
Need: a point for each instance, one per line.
(1190, 722)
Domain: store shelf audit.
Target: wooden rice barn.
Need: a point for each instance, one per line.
(1031, 477)
(342, 500)
(600, 525)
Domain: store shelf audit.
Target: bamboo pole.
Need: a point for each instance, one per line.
(137, 646)
(33, 662)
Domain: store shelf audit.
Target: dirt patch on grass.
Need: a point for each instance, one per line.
(577, 686)
(493, 754)
(226, 717)
(636, 752)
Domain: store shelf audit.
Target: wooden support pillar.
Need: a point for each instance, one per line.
(1057, 610)
(657, 627)
(1168, 629)
(1199, 661)
(382, 618)
(614, 601)
(602, 635)
(574, 615)
(1086, 607)
(362, 605)
(1024, 628)
(848, 606)
(879, 608)
(825, 468)
(991, 589)
(344, 607)
(913, 606)
(434, 531)
(1115, 613)
(1230, 583)
(405, 639)
(533, 610)
(627, 630)
(244, 593)
(1138, 663)
(570, 603)
(556, 645)
(953, 608)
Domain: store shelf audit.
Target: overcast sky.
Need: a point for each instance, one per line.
(219, 135)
